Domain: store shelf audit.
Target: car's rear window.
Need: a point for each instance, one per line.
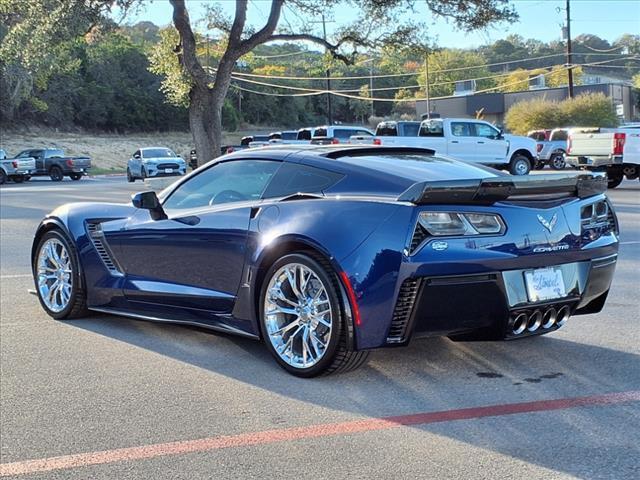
(304, 134)
(411, 129)
(387, 131)
(288, 135)
(54, 153)
(320, 132)
(157, 153)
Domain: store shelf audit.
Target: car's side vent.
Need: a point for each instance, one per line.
(419, 234)
(94, 230)
(403, 310)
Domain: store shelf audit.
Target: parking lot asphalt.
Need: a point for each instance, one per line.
(108, 397)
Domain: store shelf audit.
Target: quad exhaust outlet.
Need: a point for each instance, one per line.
(539, 320)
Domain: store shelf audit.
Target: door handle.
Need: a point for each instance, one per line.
(480, 142)
(454, 141)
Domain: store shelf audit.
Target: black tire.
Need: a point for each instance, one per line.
(27, 178)
(3, 177)
(75, 176)
(339, 356)
(130, 178)
(519, 165)
(557, 161)
(143, 172)
(18, 179)
(77, 306)
(614, 181)
(539, 165)
(55, 173)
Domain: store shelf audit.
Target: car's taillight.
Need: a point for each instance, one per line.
(597, 219)
(569, 145)
(335, 141)
(15, 164)
(69, 162)
(377, 141)
(230, 150)
(618, 143)
(539, 147)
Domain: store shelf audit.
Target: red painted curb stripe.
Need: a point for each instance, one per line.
(297, 433)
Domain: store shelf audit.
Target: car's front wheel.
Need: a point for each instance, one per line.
(58, 277)
(302, 319)
(130, 178)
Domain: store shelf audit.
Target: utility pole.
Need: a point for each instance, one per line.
(371, 85)
(569, 60)
(329, 112)
(426, 83)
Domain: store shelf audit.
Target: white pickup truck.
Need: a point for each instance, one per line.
(614, 150)
(16, 169)
(471, 140)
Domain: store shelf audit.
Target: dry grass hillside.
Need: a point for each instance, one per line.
(109, 152)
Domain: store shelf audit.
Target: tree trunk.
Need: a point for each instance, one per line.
(205, 121)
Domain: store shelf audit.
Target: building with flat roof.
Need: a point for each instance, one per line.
(493, 106)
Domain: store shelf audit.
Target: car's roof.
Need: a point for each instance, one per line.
(399, 167)
(155, 148)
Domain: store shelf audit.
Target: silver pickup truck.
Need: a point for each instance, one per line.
(16, 169)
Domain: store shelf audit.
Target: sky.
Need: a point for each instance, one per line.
(539, 19)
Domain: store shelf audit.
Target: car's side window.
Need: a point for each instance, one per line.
(294, 178)
(461, 129)
(231, 181)
(484, 130)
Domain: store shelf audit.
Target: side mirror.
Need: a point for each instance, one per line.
(136, 156)
(149, 201)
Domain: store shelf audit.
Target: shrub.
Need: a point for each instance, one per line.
(587, 110)
(534, 114)
(590, 110)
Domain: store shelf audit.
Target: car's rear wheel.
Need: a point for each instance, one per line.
(56, 174)
(3, 177)
(58, 277)
(302, 319)
(557, 161)
(18, 179)
(519, 165)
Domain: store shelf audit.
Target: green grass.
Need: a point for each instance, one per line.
(106, 171)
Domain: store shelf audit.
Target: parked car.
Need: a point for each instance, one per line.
(341, 133)
(551, 147)
(154, 162)
(614, 150)
(327, 252)
(394, 130)
(15, 169)
(471, 140)
(53, 163)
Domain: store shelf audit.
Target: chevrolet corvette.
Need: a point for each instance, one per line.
(328, 252)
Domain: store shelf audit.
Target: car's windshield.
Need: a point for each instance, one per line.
(157, 153)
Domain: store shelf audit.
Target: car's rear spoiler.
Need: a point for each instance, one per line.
(490, 190)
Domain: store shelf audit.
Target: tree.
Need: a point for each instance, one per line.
(372, 28)
(362, 108)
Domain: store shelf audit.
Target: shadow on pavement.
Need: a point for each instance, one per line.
(438, 374)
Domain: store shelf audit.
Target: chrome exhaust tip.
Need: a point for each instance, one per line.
(535, 320)
(549, 318)
(519, 324)
(563, 315)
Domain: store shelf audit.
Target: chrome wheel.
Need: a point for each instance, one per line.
(521, 167)
(55, 275)
(298, 315)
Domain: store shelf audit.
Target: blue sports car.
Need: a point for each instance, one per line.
(327, 252)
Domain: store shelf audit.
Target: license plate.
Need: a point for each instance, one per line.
(168, 170)
(544, 284)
